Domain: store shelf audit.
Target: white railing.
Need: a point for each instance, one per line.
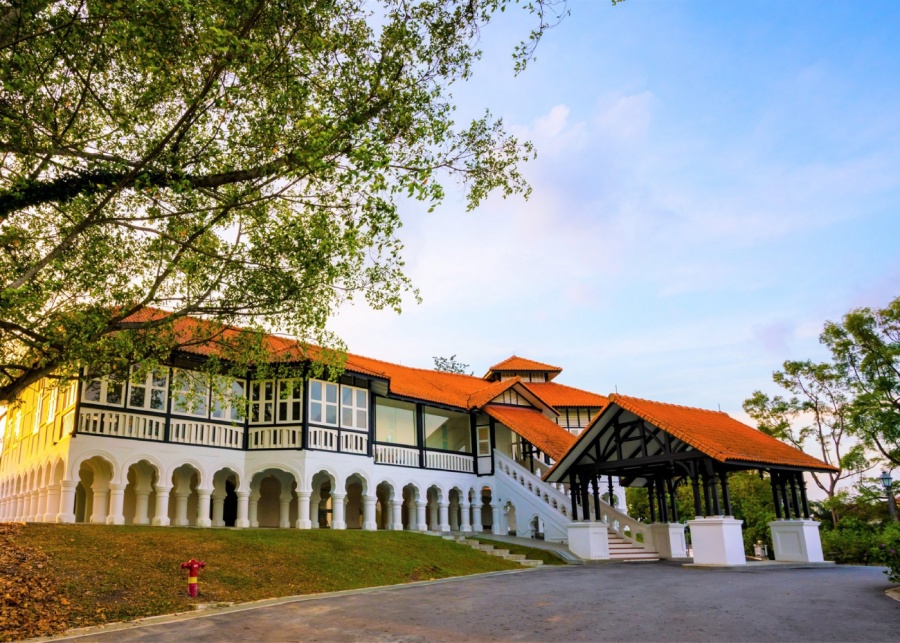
(401, 456)
(450, 461)
(624, 525)
(121, 425)
(354, 442)
(206, 434)
(324, 439)
(271, 437)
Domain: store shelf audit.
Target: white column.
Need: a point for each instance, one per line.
(32, 505)
(101, 503)
(52, 503)
(181, 506)
(337, 511)
(477, 527)
(218, 509)
(22, 507)
(203, 500)
(420, 516)
(369, 523)
(242, 501)
(433, 524)
(496, 528)
(141, 506)
(161, 516)
(303, 520)
(444, 516)
(66, 501)
(397, 517)
(466, 528)
(42, 505)
(116, 502)
(315, 500)
(284, 511)
(253, 507)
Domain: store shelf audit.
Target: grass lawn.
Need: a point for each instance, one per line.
(104, 574)
(548, 557)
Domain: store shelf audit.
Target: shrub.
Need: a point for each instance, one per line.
(889, 551)
(852, 542)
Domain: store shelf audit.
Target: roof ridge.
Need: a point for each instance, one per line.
(615, 396)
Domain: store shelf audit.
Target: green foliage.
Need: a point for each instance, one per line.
(239, 160)
(889, 551)
(865, 346)
(450, 365)
(852, 542)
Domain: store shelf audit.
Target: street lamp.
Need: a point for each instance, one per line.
(886, 482)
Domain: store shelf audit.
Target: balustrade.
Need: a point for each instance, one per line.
(400, 456)
(323, 439)
(451, 461)
(206, 434)
(354, 442)
(121, 425)
(275, 437)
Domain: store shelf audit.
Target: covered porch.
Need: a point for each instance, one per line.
(660, 447)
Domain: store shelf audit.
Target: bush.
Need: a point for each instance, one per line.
(889, 551)
(853, 542)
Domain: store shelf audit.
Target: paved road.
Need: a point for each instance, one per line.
(619, 602)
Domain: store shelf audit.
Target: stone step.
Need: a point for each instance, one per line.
(531, 563)
(515, 557)
(499, 552)
(486, 548)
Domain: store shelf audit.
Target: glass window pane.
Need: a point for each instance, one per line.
(347, 417)
(113, 392)
(158, 400)
(267, 412)
(395, 422)
(92, 391)
(160, 378)
(315, 390)
(362, 399)
(282, 411)
(330, 414)
(297, 412)
(361, 420)
(331, 393)
(347, 396)
(270, 390)
(448, 430)
(315, 412)
(136, 398)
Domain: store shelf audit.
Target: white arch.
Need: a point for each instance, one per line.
(203, 477)
(338, 483)
(75, 465)
(367, 482)
(133, 460)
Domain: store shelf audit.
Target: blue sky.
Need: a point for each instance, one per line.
(714, 181)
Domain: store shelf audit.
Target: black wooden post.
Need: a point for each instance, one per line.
(726, 494)
(802, 481)
(674, 514)
(714, 489)
(573, 492)
(650, 493)
(773, 479)
(695, 486)
(595, 486)
(782, 487)
(661, 498)
(794, 496)
(585, 500)
(612, 502)
(707, 497)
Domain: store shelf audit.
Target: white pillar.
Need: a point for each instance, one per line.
(161, 516)
(52, 503)
(253, 508)
(444, 516)
(181, 507)
(218, 509)
(101, 503)
(369, 523)
(496, 528)
(116, 502)
(242, 510)
(412, 514)
(32, 505)
(454, 515)
(20, 507)
(433, 524)
(717, 540)
(42, 505)
(420, 515)
(203, 500)
(477, 527)
(303, 520)
(315, 502)
(284, 511)
(337, 511)
(797, 541)
(397, 515)
(66, 501)
(141, 506)
(466, 528)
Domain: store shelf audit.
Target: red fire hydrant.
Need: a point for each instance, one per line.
(193, 567)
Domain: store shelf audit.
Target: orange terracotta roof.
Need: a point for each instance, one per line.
(535, 427)
(560, 395)
(482, 396)
(717, 434)
(516, 363)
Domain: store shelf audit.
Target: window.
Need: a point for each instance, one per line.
(149, 391)
(484, 440)
(395, 422)
(262, 402)
(190, 393)
(354, 408)
(447, 430)
(290, 401)
(227, 399)
(103, 391)
(323, 402)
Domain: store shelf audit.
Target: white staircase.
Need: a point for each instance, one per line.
(629, 539)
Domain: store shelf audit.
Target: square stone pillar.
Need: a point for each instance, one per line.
(589, 540)
(797, 541)
(668, 539)
(717, 540)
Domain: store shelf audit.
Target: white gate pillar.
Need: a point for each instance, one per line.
(797, 541)
(717, 540)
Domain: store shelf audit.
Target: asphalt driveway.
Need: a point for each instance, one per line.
(616, 602)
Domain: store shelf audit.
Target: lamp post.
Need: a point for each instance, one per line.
(886, 482)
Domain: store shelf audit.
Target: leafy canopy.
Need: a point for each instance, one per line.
(238, 160)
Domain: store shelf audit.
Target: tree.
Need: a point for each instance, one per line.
(450, 365)
(820, 405)
(240, 161)
(866, 347)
